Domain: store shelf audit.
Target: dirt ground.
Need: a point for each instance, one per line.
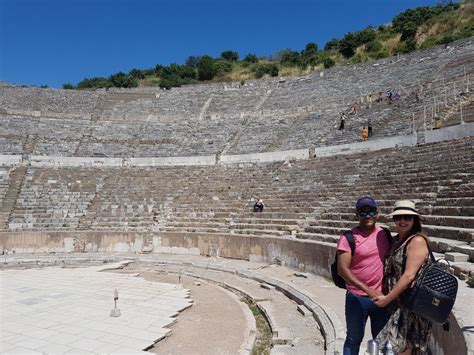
(215, 324)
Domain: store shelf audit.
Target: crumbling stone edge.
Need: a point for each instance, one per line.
(330, 326)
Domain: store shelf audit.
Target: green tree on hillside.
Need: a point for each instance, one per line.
(262, 69)
(328, 62)
(309, 55)
(122, 80)
(221, 67)
(332, 44)
(94, 83)
(181, 71)
(407, 22)
(310, 49)
(347, 45)
(205, 67)
(193, 61)
(230, 56)
(250, 58)
(290, 58)
(137, 74)
(159, 69)
(175, 75)
(434, 24)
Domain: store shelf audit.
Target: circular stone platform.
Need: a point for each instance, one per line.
(57, 310)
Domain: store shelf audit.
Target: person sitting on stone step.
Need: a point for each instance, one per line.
(258, 207)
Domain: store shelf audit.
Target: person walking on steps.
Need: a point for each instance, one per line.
(343, 121)
(364, 134)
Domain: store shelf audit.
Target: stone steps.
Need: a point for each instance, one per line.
(262, 232)
(447, 221)
(235, 220)
(266, 226)
(16, 180)
(292, 332)
(454, 221)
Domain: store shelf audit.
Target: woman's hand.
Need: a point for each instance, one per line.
(381, 301)
(373, 293)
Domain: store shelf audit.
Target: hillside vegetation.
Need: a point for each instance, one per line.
(414, 29)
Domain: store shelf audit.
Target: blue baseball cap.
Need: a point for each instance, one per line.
(366, 201)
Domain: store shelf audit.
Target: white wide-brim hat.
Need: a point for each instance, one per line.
(404, 208)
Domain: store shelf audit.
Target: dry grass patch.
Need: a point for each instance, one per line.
(149, 81)
(287, 71)
(392, 43)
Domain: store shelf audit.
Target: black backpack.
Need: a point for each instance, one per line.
(434, 292)
(336, 278)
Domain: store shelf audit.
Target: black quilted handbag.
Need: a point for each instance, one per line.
(433, 294)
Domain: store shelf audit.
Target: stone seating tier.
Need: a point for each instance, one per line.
(307, 199)
(63, 137)
(207, 119)
(72, 102)
(413, 69)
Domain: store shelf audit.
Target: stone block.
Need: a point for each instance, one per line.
(267, 286)
(281, 336)
(303, 310)
(301, 274)
(456, 257)
(115, 312)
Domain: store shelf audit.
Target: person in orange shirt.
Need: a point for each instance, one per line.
(364, 134)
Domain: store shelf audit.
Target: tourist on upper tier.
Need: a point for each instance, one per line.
(369, 101)
(417, 97)
(380, 97)
(258, 207)
(389, 97)
(363, 273)
(407, 332)
(364, 134)
(343, 120)
(353, 110)
(438, 123)
(369, 127)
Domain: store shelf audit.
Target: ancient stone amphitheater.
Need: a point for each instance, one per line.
(169, 178)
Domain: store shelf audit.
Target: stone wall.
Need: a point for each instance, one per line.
(307, 256)
(443, 134)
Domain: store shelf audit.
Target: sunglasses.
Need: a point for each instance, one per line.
(404, 217)
(367, 213)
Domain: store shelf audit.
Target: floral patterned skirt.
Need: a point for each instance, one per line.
(406, 330)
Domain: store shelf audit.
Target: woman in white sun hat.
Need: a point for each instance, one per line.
(407, 332)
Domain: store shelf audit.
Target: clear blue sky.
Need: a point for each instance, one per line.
(51, 42)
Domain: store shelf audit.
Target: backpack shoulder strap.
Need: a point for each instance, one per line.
(388, 234)
(350, 239)
(406, 242)
(409, 239)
